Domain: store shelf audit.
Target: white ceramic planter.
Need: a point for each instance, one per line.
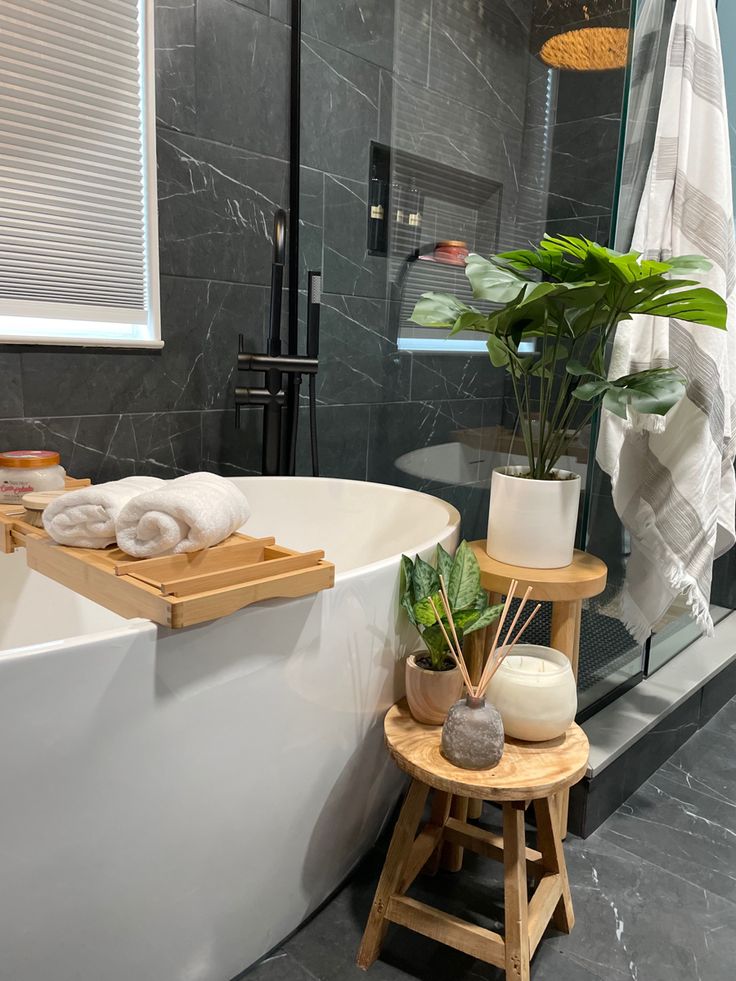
(532, 522)
(535, 692)
(431, 694)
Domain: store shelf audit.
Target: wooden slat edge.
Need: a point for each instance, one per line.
(542, 906)
(189, 610)
(170, 565)
(486, 843)
(421, 851)
(253, 571)
(438, 925)
(121, 595)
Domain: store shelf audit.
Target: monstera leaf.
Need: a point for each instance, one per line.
(697, 305)
(652, 392)
(438, 310)
(492, 282)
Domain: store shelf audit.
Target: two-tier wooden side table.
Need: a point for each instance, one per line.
(564, 588)
(527, 772)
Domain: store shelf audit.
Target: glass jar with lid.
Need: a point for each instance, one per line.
(26, 471)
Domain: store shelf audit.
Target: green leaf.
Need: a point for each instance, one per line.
(498, 351)
(423, 610)
(652, 392)
(464, 620)
(464, 581)
(425, 580)
(407, 587)
(699, 305)
(435, 644)
(438, 310)
(470, 320)
(689, 264)
(590, 390)
(577, 368)
(444, 563)
(492, 282)
(486, 618)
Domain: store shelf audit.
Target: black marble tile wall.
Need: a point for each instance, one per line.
(451, 81)
(584, 159)
(222, 108)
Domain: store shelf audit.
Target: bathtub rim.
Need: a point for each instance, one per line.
(141, 624)
(136, 625)
(454, 518)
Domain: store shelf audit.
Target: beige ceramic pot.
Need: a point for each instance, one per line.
(431, 694)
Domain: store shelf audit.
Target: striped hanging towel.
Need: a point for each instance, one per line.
(672, 477)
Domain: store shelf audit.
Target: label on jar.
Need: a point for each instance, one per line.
(11, 490)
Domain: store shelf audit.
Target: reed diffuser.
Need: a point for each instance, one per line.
(472, 735)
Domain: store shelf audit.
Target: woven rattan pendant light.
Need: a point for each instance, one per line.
(582, 35)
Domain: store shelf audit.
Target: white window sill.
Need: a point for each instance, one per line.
(149, 344)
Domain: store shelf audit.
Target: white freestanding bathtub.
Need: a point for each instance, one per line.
(174, 803)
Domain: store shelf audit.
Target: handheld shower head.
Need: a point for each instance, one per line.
(279, 237)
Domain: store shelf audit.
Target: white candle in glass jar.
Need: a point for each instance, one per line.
(535, 692)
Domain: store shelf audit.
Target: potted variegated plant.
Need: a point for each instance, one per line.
(433, 680)
(559, 380)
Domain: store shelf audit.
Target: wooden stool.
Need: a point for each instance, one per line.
(565, 588)
(527, 772)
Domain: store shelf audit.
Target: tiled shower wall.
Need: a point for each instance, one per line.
(451, 81)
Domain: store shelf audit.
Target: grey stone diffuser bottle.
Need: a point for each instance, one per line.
(472, 735)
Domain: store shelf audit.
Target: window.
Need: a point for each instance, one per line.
(78, 220)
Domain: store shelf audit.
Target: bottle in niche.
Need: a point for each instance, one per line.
(414, 200)
(376, 213)
(398, 212)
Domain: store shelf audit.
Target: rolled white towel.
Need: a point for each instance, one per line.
(188, 514)
(86, 517)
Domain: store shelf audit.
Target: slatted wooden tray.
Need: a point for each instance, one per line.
(173, 590)
(181, 590)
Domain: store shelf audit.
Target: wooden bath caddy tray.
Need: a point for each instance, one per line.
(173, 590)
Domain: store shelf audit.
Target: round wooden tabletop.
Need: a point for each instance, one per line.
(526, 771)
(584, 577)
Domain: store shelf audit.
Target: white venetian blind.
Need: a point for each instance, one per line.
(77, 173)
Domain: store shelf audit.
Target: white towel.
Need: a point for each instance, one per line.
(673, 476)
(86, 517)
(187, 514)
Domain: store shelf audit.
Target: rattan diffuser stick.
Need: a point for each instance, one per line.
(493, 663)
(483, 687)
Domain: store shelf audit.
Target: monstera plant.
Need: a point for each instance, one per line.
(567, 296)
(587, 291)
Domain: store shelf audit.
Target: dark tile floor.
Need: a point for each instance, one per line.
(654, 891)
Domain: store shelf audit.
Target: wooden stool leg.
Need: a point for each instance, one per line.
(441, 804)
(452, 855)
(565, 637)
(393, 869)
(553, 859)
(475, 809)
(516, 899)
